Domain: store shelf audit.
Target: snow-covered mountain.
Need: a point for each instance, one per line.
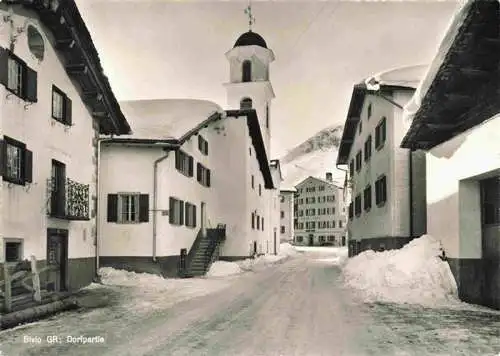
(314, 157)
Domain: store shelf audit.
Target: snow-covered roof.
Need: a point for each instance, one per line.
(287, 188)
(459, 89)
(405, 77)
(321, 180)
(401, 78)
(163, 119)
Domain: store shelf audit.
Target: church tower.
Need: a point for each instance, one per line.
(249, 85)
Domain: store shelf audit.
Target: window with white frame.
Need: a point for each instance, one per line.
(190, 214)
(184, 163)
(15, 76)
(128, 208)
(176, 211)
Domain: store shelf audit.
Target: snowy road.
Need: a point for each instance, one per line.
(295, 308)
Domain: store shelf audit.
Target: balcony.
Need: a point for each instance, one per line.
(69, 200)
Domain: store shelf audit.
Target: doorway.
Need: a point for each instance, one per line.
(311, 240)
(490, 235)
(57, 257)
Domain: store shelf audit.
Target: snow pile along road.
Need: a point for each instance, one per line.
(144, 292)
(412, 275)
(221, 268)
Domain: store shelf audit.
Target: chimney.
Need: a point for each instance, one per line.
(329, 177)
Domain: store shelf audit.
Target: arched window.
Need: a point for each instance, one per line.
(246, 103)
(247, 71)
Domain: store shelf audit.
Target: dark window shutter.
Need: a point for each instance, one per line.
(181, 214)
(208, 177)
(144, 208)
(171, 209)
(31, 86)
(194, 216)
(112, 207)
(198, 172)
(191, 164)
(206, 147)
(186, 213)
(3, 158)
(68, 111)
(28, 166)
(200, 143)
(4, 72)
(177, 159)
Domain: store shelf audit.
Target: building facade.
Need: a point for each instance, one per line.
(52, 111)
(196, 166)
(287, 228)
(321, 218)
(461, 139)
(386, 183)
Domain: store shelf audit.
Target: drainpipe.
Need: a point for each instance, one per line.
(97, 216)
(410, 195)
(155, 200)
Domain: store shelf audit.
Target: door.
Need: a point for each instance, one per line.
(311, 240)
(275, 243)
(490, 226)
(58, 195)
(57, 258)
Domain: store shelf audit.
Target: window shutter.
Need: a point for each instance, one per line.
(181, 209)
(200, 143)
(206, 147)
(68, 111)
(177, 159)
(171, 210)
(191, 166)
(208, 177)
(198, 172)
(112, 207)
(28, 166)
(4, 71)
(186, 214)
(144, 208)
(194, 216)
(31, 86)
(3, 158)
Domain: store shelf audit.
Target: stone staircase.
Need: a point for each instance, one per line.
(204, 252)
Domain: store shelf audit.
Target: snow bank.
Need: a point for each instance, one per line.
(412, 275)
(144, 292)
(330, 255)
(222, 268)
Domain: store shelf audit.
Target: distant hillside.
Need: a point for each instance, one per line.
(314, 157)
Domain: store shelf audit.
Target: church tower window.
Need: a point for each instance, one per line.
(247, 71)
(246, 103)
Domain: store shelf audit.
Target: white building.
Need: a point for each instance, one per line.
(275, 207)
(386, 182)
(54, 101)
(321, 215)
(457, 124)
(287, 231)
(169, 208)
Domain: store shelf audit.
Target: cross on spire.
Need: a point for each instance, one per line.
(251, 18)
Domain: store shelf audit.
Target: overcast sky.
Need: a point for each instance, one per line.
(159, 49)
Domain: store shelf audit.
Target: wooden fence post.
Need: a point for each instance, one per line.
(36, 280)
(8, 290)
